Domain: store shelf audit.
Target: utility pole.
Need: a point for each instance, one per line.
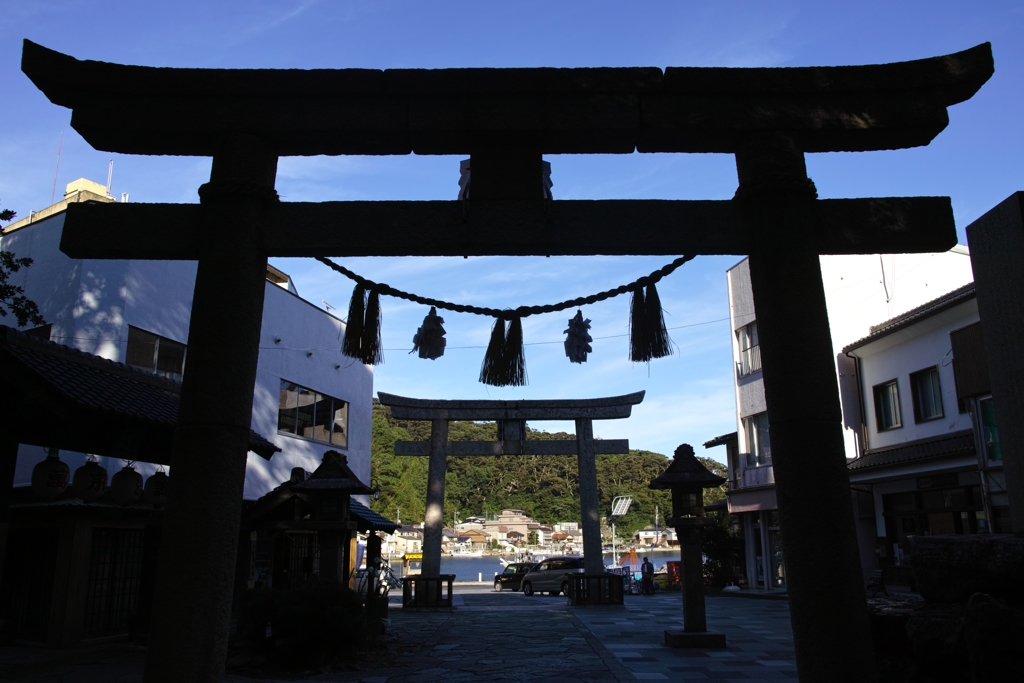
(620, 506)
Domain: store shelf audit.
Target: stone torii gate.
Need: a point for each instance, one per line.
(511, 417)
(506, 120)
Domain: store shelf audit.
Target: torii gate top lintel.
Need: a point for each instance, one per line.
(608, 408)
(148, 110)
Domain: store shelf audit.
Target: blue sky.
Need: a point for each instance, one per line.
(976, 161)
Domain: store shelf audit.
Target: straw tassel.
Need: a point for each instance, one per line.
(658, 343)
(514, 357)
(638, 349)
(370, 346)
(490, 372)
(354, 327)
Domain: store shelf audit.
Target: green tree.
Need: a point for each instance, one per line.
(12, 297)
(718, 493)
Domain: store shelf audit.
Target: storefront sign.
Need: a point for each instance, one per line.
(938, 481)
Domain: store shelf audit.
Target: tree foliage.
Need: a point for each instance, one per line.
(12, 297)
(546, 487)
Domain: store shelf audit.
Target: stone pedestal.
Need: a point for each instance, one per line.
(677, 637)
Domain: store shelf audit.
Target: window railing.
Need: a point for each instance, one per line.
(750, 361)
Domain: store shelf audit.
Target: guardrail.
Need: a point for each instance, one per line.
(602, 589)
(427, 591)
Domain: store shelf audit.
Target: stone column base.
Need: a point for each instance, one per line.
(677, 637)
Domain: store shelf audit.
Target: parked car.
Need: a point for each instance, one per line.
(552, 575)
(512, 578)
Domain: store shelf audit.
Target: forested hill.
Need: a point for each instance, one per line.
(546, 487)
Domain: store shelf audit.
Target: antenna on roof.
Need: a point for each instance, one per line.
(60, 144)
(110, 175)
(328, 306)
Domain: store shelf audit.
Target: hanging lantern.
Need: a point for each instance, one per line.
(577, 340)
(90, 481)
(155, 491)
(126, 485)
(50, 477)
(429, 338)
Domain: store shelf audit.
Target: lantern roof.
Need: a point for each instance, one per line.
(686, 469)
(333, 475)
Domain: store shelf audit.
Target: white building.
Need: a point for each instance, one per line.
(930, 461)
(309, 398)
(860, 290)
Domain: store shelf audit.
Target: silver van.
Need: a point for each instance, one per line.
(552, 575)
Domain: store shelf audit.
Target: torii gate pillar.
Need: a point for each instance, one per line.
(804, 413)
(433, 520)
(211, 440)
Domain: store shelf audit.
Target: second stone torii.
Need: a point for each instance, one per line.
(511, 417)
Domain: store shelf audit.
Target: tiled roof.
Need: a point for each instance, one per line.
(958, 443)
(944, 302)
(370, 518)
(721, 440)
(101, 385)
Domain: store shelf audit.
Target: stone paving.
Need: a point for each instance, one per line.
(496, 637)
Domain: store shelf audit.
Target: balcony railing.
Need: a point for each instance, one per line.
(750, 361)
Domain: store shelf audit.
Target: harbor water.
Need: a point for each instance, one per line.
(472, 568)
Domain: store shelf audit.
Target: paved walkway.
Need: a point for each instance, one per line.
(497, 637)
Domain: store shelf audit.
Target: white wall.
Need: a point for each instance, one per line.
(896, 356)
(307, 354)
(91, 303)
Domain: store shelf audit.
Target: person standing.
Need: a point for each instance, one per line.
(647, 575)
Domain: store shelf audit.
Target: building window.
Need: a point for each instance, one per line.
(989, 433)
(310, 414)
(156, 354)
(927, 394)
(759, 448)
(750, 351)
(887, 406)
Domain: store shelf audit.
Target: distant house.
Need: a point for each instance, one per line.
(662, 536)
(478, 540)
(407, 539)
(510, 520)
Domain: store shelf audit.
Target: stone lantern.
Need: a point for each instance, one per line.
(328, 490)
(686, 478)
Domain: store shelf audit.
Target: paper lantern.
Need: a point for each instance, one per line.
(90, 481)
(155, 491)
(50, 477)
(126, 486)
